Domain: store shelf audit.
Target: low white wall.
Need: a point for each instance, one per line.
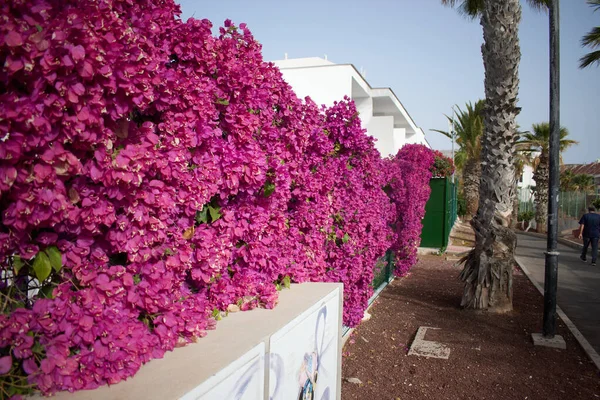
(253, 355)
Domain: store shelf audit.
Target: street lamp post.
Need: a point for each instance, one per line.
(551, 270)
(452, 137)
(548, 337)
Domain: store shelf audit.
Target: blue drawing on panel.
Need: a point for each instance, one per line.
(311, 367)
(242, 383)
(309, 371)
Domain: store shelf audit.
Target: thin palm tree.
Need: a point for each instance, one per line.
(571, 182)
(487, 270)
(538, 143)
(468, 129)
(566, 181)
(521, 160)
(584, 183)
(591, 40)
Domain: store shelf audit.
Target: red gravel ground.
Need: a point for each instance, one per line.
(492, 355)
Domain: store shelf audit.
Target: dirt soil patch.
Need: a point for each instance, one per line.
(492, 356)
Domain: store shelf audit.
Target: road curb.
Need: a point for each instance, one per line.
(585, 345)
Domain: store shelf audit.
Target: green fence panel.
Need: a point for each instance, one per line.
(384, 269)
(440, 213)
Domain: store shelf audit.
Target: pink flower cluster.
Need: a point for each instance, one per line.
(409, 173)
(178, 176)
(442, 166)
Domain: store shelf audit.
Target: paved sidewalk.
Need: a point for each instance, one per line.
(578, 284)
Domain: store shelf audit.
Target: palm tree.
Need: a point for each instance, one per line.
(591, 40)
(468, 129)
(584, 183)
(539, 142)
(522, 159)
(487, 271)
(570, 182)
(566, 181)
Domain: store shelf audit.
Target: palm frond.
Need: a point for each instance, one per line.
(539, 139)
(447, 134)
(595, 4)
(592, 38)
(469, 8)
(589, 59)
(540, 5)
(468, 129)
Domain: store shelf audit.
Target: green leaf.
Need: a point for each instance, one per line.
(278, 287)
(136, 279)
(38, 27)
(223, 102)
(269, 188)
(42, 266)
(55, 258)
(214, 213)
(202, 216)
(37, 348)
(286, 281)
(168, 252)
(17, 264)
(216, 314)
(345, 238)
(46, 291)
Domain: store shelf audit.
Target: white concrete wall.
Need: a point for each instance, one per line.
(229, 363)
(302, 62)
(399, 139)
(364, 105)
(322, 85)
(416, 138)
(325, 82)
(527, 180)
(382, 129)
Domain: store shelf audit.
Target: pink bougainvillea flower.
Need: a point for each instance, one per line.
(168, 175)
(5, 364)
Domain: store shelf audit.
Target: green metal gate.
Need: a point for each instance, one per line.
(384, 270)
(440, 213)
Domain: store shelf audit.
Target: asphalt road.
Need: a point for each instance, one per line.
(578, 283)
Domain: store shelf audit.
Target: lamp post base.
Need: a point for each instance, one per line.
(557, 342)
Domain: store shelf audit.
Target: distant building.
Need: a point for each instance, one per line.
(382, 114)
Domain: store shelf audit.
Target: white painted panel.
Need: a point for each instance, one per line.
(304, 354)
(243, 379)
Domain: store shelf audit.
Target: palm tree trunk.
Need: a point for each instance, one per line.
(515, 210)
(487, 272)
(541, 177)
(472, 174)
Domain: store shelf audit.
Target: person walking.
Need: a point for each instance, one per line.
(589, 229)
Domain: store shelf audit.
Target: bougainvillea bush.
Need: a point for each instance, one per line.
(154, 176)
(443, 166)
(408, 174)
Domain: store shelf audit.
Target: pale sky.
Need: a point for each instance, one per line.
(428, 54)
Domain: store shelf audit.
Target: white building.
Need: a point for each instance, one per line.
(526, 185)
(382, 114)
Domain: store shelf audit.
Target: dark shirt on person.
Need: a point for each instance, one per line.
(591, 225)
